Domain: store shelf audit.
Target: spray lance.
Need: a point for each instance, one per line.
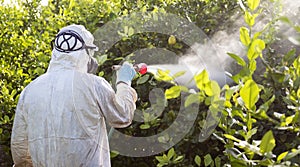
(140, 68)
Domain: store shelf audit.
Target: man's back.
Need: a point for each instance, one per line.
(56, 105)
(60, 117)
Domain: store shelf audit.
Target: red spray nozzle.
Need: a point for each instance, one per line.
(140, 68)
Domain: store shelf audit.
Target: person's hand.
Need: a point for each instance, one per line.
(126, 73)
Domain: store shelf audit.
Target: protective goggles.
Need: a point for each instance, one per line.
(65, 36)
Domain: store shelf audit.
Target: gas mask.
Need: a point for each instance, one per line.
(92, 66)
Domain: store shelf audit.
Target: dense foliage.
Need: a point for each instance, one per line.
(260, 121)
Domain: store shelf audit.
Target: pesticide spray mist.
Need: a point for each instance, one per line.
(212, 55)
(204, 53)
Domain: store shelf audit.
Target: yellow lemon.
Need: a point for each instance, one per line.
(171, 40)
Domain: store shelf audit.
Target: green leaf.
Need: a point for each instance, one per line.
(243, 75)
(39, 71)
(113, 153)
(292, 154)
(232, 138)
(249, 18)
(101, 74)
(297, 28)
(202, 79)
(244, 36)
(197, 160)
(266, 162)
(6, 118)
(252, 66)
(289, 120)
(178, 74)
(296, 65)
(130, 31)
(256, 35)
(278, 77)
(285, 19)
(237, 59)
(161, 159)
(207, 160)
(5, 91)
(101, 59)
(218, 162)
(250, 94)
(161, 164)
(253, 4)
(289, 57)
(144, 126)
(266, 105)
(250, 133)
(238, 163)
(212, 88)
(171, 153)
(178, 159)
(267, 143)
(173, 92)
(164, 75)
(193, 98)
(142, 79)
(256, 48)
(281, 156)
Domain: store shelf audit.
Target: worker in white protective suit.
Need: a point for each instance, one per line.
(60, 117)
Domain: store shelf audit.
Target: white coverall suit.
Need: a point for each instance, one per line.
(60, 117)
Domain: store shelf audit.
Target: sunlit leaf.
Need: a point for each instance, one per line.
(164, 75)
(173, 92)
(296, 65)
(237, 58)
(212, 88)
(231, 137)
(202, 79)
(253, 4)
(281, 156)
(256, 48)
(244, 37)
(250, 94)
(252, 65)
(249, 18)
(289, 120)
(267, 143)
